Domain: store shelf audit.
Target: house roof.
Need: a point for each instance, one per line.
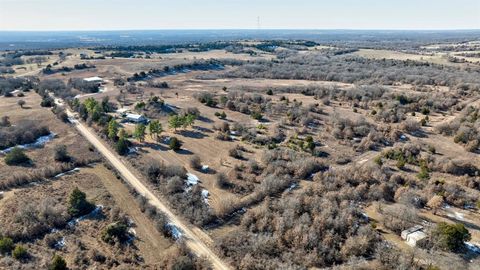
(93, 79)
(414, 237)
(134, 116)
(411, 230)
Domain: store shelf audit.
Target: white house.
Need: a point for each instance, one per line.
(136, 118)
(94, 79)
(414, 235)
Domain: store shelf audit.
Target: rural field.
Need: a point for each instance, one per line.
(242, 154)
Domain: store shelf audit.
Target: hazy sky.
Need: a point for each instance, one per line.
(228, 14)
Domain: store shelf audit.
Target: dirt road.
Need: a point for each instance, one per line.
(192, 240)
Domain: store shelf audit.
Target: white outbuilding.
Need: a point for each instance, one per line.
(94, 79)
(414, 235)
(136, 118)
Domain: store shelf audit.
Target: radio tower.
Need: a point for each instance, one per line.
(258, 23)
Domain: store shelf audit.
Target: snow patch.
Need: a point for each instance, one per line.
(456, 215)
(40, 142)
(192, 179)
(205, 195)
(176, 233)
(60, 243)
(293, 186)
(473, 247)
(68, 172)
(95, 212)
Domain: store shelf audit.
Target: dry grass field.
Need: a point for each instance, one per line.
(316, 156)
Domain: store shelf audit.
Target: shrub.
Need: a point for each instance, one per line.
(6, 245)
(410, 125)
(256, 115)
(16, 157)
(115, 231)
(425, 111)
(175, 185)
(21, 103)
(423, 174)
(61, 153)
(122, 146)
(222, 181)
(423, 122)
(451, 236)
(221, 115)
(175, 144)
(20, 252)
(270, 92)
(58, 263)
(182, 263)
(196, 163)
(235, 153)
(378, 160)
(153, 169)
(401, 164)
(78, 204)
(47, 102)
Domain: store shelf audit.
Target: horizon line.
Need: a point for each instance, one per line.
(242, 29)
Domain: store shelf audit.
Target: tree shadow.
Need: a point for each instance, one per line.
(192, 134)
(208, 171)
(203, 129)
(419, 134)
(466, 223)
(156, 146)
(263, 120)
(204, 119)
(184, 152)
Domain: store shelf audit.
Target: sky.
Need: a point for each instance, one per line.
(237, 14)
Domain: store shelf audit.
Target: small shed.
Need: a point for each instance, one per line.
(136, 118)
(414, 235)
(94, 79)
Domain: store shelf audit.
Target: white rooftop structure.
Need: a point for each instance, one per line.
(413, 235)
(94, 79)
(123, 110)
(137, 118)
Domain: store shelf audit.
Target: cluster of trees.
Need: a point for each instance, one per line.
(48, 70)
(8, 85)
(167, 70)
(292, 232)
(7, 247)
(35, 219)
(83, 86)
(184, 121)
(308, 229)
(17, 156)
(65, 91)
(171, 181)
(351, 69)
(464, 128)
(23, 132)
(149, 49)
(93, 111)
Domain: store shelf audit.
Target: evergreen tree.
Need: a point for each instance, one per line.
(139, 132)
(112, 129)
(78, 204)
(58, 263)
(175, 122)
(155, 128)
